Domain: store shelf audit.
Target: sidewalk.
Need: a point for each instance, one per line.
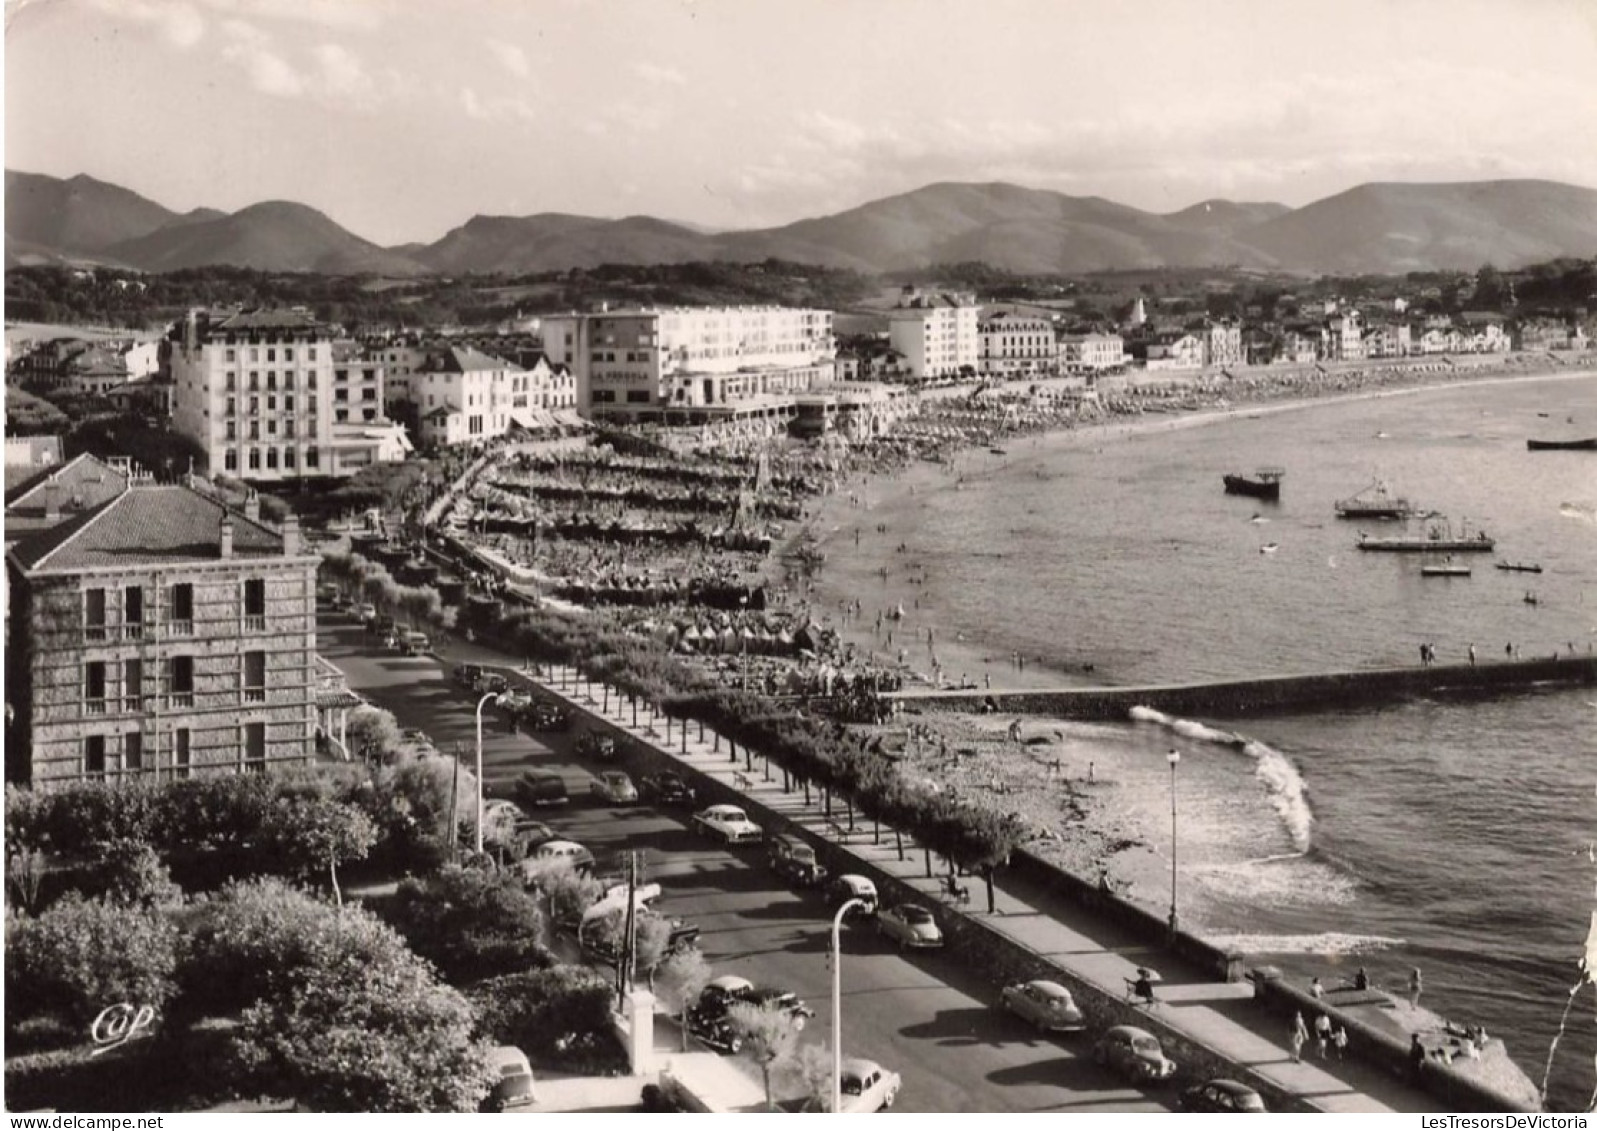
(1216, 1015)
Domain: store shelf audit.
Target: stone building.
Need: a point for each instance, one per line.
(154, 631)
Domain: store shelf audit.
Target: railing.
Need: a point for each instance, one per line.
(255, 695)
(255, 624)
(180, 628)
(94, 706)
(94, 632)
(180, 699)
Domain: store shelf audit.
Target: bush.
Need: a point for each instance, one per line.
(79, 957)
(471, 924)
(557, 1013)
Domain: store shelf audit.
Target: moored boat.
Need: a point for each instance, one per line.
(1265, 483)
(1375, 501)
(1438, 539)
(1586, 445)
(1519, 567)
(1445, 569)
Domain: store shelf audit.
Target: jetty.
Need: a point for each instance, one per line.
(1239, 698)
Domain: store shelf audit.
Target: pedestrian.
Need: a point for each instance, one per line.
(1316, 990)
(1472, 653)
(1300, 1036)
(1339, 1039)
(1322, 1034)
(987, 678)
(1415, 985)
(1416, 1059)
(1424, 654)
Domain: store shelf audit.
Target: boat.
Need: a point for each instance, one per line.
(1446, 569)
(998, 451)
(1438, 539)
(1586, 445)
(1269, 547)
(1519, 567)
(1532, 599)
(1265, 483)
(1375, 501)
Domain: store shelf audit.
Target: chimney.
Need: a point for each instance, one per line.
(226, 532)
(52, 499)
(291, 536)
(252, 506)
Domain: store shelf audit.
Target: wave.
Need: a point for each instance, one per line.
(1585, 512)
(1328, 942)
(1281, 779)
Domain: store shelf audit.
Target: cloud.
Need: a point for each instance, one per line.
(363, 15)
(179, 24)
(483, 109)
(251, 48)
(511, 58)
(343, 76)
(658, 75)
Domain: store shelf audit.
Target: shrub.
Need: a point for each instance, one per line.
(471, 924)
(551, 1013)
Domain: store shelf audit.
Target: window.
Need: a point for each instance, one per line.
(255, 747)
(271, 459)
(288, 453)
(255, 430)
(182, 609)
(94, 755)
(232, 434)
(255, 604)
(94, 614)
(133, 751)
(271, 380)
(254, 677)
(368, 394)
(232, 407)
(341, 416)
(230, 457)
(232, 355)
(288, 402)
(271, 427)
(340, 395)
(255, 380)
(271, 355)
(368, 415)
(180, 752)
(94, 687)
(133, 612)
(255, 354)
(232, 381)
(255, 457)
(180, 682)
(312, 457)
(288, 355)
(255, 406)
(133, 685)
(310, 354)
(638, 396)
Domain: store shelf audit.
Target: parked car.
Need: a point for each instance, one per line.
(667, 788)
(493, 683)
(567, 852)
(547, 716)
(326, 593)
(416, 736)
(728, 822)
(910, 925)
(1047, 1005)
(537, 788)
(865, 1085)
(513, 1083)
(709, 1018)
(850, 886)
(795, 861)
(1134, 1053)
(615, 787)
(366, 611)
(467, 675)
(382, 625)
(1222, 1095)
(682, 934)
(594, 745)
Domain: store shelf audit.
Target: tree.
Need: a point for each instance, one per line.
(679, 980)
(372, 732)
(81, 956)
(310, 834)
(569, 892)
(605, 936)
(770, 1036)
(553, 1013)
(471, 924)
(421, 803)
(813, 1067)
(133, 875)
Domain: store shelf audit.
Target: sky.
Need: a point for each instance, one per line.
(401, 119)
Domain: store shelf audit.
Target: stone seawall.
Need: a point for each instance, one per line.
(1243, 697)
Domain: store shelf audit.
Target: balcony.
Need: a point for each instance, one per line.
(133, 632)
(94, 633)
(180, 699)
(133, 704)
(255, 624)
(255, 695)
(179, 628)
(94, 706)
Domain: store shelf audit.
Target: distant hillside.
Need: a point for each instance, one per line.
(274, 236)
(553, 241)
(57, 218)
(1224, 217)
(1394, 228)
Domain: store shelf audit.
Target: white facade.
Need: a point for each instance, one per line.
(692, 363)
(1016, 346)
(1091, 353)
(938, 334)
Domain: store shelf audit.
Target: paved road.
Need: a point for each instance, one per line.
(924, 1016)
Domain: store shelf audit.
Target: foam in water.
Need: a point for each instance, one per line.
(1584, 512)
(1280, 777)
(1329, 943)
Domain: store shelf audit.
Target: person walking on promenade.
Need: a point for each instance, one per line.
(1316, 990)
(1415, 985)
(1508, 651)
(1425, 654)
(1322, 1034)
(1472, 653)
(1339, 1039)
(1300, 1036)
(1416, 1059)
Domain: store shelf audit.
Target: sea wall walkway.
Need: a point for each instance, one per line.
(1266, 694)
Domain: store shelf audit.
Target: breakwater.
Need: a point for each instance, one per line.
(1240, 698)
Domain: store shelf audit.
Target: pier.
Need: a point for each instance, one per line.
(1240, 698)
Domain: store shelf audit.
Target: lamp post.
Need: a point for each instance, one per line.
(837, 1000)
(1174, 758)
(481, 703)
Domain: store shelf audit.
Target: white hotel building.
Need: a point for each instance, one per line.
(269, 397)
(681, 365)
(938, 334)
(1016, 346)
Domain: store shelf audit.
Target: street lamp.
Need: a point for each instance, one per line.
(837, 1000)
(1174, 758)
(481, 703)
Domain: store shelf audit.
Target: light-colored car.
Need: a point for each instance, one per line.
(567, 852)
(1134, 1053)
(910, 925)
(867, 1086)
(728, 822)
(513, 1083)
(366, 611)
(1047, 1005)
(851, 886)
(615, 787)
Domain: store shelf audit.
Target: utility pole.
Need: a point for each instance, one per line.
(625, 974)
(454, 823)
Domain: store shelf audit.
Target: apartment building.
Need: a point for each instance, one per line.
(1012, 345)
(268, 398)
(1222, 342)
(693, 364)
(154, 631)
(1091, 353)
(938, 333)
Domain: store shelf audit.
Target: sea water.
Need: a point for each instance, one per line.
(1449, 835)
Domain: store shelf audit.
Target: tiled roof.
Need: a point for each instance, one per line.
(84, 483)
(464, 359)
(146, 525)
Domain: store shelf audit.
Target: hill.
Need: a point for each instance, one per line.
(273, 236)
(56, 218)
(1383, 229)
(553, 241)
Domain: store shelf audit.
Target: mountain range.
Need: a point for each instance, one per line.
(1370, 229)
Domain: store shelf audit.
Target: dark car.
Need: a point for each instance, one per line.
(537, 788)
(546, 716)
(709, 1019)
(667, 788)
(593, 745)
(683, 935)
(467, 675)
(795, 861)
(1222, 1095)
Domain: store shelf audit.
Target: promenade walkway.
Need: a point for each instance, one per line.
(1216, 1015)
